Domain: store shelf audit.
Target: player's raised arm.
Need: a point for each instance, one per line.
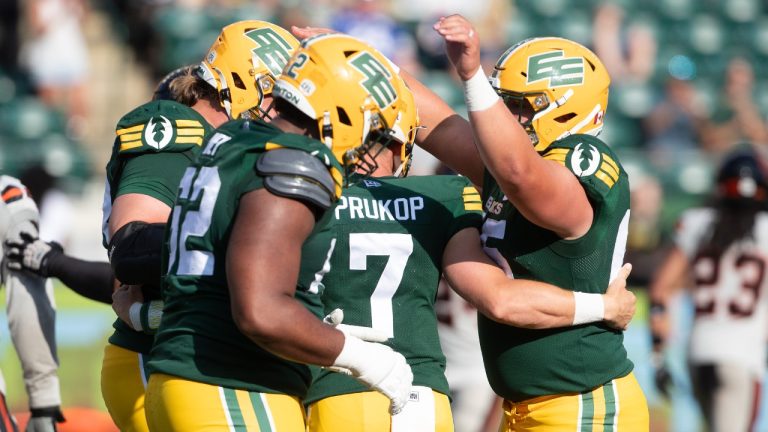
(444, 133)
(506, 147)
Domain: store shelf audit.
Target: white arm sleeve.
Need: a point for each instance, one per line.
(29, 303)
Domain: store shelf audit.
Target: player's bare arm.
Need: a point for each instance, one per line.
(507, 151)
(524, 303)
(273, 228)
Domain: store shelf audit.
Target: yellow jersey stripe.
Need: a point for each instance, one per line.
(473, 207)
(197, 140)
(554, 151)
(137, 128)
(612, 162)
(129, 145)
(272, 146)
(188, 123)
(191, 131)
(608, 168)
(605, 178)
(130, 137)
(469, 190)
(557, 159)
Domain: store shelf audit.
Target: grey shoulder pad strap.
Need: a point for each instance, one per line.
(297, 174)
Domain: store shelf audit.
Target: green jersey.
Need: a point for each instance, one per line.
(523, 363)
(154, 145)
(383, 244)
(198, 339)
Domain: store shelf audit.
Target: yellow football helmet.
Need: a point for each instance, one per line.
(244, 63)
(350, 89)
(406, 126)
(562, 82)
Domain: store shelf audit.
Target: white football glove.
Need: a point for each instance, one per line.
(375, 365)
(368, 334)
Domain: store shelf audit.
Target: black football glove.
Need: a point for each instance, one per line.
(661, 376)
(28, 252)
(44, 419)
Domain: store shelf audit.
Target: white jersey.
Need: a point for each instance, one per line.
(472, 395)
(730, 293)
(29, 301)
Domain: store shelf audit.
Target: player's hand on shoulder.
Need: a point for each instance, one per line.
(26, 251)
(619, 302)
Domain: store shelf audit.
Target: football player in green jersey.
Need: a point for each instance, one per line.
(236, 336)
(384, 247)
(155, 144)
(557, 205)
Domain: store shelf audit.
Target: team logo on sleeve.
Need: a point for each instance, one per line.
(585, 160)
(158, 132)
(555, 67)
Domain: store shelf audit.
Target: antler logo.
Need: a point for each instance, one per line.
(582, 164)
(158, 132)
(558, 69)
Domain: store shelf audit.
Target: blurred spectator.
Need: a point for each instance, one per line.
(736, 117)
(628, 49)
(675, 124)
(9, 35)
(367, 20)
(645, 245)
(56, 210)
(474, 405)
(56, 55)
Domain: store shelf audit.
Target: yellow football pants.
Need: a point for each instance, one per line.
(176, 404)
(618, 405)
(123, 382)
(427, 410)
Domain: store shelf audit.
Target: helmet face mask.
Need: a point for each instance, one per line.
(562, 83)
(350, 90)
(243, 65)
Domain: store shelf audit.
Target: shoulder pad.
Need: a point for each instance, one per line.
(160, 126)
(297, 174)
(589, 159)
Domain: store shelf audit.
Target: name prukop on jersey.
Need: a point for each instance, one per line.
(398, 209)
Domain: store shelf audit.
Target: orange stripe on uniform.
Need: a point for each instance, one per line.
(12, 193)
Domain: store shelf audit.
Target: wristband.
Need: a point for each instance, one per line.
(151, 312)
(478, 92)
(134, 315)
(589, 308)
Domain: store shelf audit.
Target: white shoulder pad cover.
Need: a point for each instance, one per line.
(297, 174)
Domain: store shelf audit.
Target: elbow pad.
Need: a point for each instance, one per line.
(299, 175)
(134, 253)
